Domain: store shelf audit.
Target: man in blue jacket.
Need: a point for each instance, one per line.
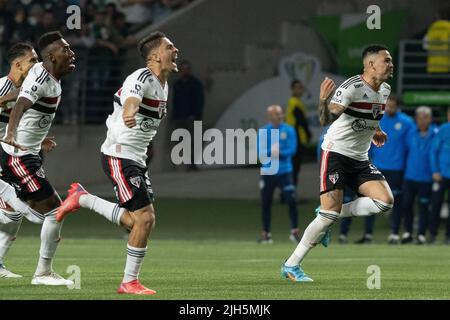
(390, 160)
(278, 146)
(440, 166)
(418, 174)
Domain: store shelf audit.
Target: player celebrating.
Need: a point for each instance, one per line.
(355, 111)
(29, 123)
(139, 107)
(21, 58)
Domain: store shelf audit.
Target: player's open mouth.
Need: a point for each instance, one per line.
(72, 62)
(174, 61)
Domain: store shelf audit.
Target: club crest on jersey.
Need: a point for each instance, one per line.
(162, 110)
(376, 109)
(283, 135)
(41, 173)
(333, 177)
(136, 181)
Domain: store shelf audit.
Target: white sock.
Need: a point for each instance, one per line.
(135, 257)
(364, 206)
(8, 194)
(8, 234)
(109, 210)
(312, 236)
(50, 236)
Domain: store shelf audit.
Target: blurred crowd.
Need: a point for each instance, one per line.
(105, 34)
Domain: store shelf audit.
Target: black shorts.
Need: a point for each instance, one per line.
(338, 171)
(26, 175)
(130, 180)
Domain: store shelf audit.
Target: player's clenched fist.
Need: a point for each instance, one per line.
(326, 88)
(379, 138)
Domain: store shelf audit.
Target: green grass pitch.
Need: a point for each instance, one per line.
(206, 249)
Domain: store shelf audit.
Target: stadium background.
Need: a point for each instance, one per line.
(234, 46)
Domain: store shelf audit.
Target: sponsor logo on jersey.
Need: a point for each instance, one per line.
(359, 125)
(148, 124)
(41, 173)
(45, 121)
(333, 177)
(136, 181)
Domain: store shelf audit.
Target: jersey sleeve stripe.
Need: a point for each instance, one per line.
(349, 79)
(41, 75)
(345, 86)
(6, 88)
(143, 74)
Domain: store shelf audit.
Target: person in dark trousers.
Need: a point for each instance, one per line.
(418, 175)
(188, 101)
(296, 117)
(277, 173)
(440, 166)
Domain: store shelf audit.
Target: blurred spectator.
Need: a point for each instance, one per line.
(6, 23)
(390, 160)
(137, 12)
(436, 41)
(440, 166)
(22, 30)
(188, 101)
(418, 175)
(46, 23)
(103, 58)
(281, 151)
(296, 117)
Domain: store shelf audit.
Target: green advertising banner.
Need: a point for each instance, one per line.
(426, 97)
(348, 34)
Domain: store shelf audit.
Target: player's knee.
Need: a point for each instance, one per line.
(145, 220)
(384, 206)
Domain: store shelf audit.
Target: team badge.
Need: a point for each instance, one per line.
(136, 181)
(398, 126)
(376, 109)
(283, 135)
(41, 173)
(333, 177)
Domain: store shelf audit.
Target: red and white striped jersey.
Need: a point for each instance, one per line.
(351, 134)
(131, 143)
(6, 86)
(44, 91)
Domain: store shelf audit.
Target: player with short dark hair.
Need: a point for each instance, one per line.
(354, 112)
(139, 107)
(28, 126)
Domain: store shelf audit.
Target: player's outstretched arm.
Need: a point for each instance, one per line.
(131, 107)
(11, 96)
(22, 105)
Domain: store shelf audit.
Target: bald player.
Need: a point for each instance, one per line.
(281, 150)
(354, 113)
